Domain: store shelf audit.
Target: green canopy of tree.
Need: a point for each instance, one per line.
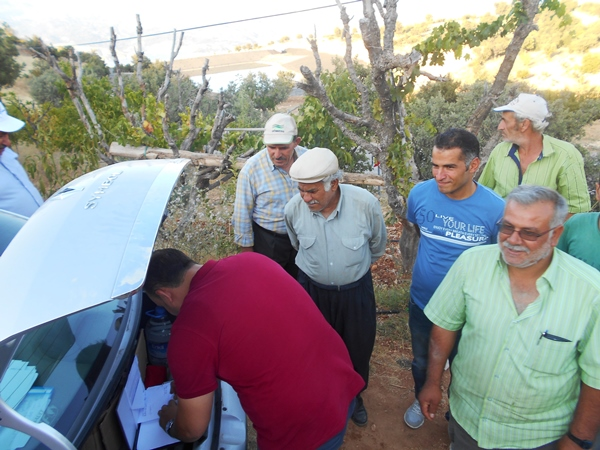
(253, 98)
(10, 69)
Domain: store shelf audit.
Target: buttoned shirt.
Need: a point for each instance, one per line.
(516, 378)
(559, 167)
(261, 194)
(17, 192)
(339, 249)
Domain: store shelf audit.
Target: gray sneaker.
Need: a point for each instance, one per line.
(413, 417)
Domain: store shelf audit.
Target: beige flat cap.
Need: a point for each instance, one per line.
(314, 165)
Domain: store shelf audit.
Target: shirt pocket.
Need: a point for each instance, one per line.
(306, 242)
(550, 356)
(353, 250)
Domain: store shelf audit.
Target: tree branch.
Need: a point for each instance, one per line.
(531, 8)
(169, 66)
(139, 53)
(193, 131)
(121, 90)
(222, 119)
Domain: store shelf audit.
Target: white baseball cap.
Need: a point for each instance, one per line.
(9, 124)
(280, 129)
(314, 165)
(529, 106)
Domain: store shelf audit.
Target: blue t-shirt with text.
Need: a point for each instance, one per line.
(448, 227)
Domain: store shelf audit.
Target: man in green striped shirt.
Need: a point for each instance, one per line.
(527, 373)
(527, 156)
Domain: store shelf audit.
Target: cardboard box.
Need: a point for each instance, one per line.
(138, 407)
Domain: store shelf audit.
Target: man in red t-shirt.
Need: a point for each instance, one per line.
(245, 321)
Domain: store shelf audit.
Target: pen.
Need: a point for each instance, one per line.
(552, 337)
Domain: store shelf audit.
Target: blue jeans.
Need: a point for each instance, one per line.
(420, 331)
(336, 442)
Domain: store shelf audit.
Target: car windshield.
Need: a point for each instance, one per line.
(54, 368)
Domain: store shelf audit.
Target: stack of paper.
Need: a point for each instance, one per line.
(31, 402)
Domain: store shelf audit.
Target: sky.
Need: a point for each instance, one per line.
(73, 22)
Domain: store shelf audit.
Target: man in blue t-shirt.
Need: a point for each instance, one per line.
(451, 213)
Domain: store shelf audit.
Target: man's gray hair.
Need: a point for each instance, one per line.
(339, 175)
(538, 125)
(529, 194)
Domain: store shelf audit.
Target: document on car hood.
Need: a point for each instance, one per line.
(142, 408)
(17, 381)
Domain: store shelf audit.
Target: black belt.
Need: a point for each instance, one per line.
(344, 287)
(270, 232)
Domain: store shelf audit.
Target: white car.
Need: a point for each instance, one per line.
(71, 301)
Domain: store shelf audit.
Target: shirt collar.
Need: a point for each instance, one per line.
(547, 149)
(550, 274)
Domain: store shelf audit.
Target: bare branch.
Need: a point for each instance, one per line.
(433, 77)
(121, 90)
(523, 30)
(193, 131)
(169, 66)
(222, 119)
(317, 90)
(390, 17)
(362, 89)
(139, 53)
(79, 99)
(315, 49)
(167, 134)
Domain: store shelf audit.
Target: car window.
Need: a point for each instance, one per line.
(54, 368)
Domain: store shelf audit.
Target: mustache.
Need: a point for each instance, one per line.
(515, 248)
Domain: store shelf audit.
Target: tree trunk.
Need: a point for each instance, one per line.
(409, 244)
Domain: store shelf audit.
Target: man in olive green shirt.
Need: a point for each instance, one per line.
(527, 373)
(529, 157)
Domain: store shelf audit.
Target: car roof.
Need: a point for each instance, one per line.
(87, 244)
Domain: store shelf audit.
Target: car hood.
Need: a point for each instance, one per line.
(87, 244)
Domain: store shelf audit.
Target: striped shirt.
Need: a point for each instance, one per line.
(516, 378)
(261, 194)
(559, 167)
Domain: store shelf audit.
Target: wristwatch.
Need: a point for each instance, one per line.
(170, 423)
(581, 442)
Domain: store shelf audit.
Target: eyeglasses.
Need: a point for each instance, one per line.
(526, 235)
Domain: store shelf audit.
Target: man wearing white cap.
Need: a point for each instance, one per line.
(17, 193)
(263, 188)
(529, 157)
(339, 231)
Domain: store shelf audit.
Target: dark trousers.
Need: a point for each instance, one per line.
(350, 310)
(461, 440)
(420, 332)
(277, 247)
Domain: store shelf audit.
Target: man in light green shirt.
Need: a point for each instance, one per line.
(529, 157)
(527, 373)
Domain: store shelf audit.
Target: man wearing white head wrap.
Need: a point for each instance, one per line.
(339, 231)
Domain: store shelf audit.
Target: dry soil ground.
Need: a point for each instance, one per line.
(391, 388)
